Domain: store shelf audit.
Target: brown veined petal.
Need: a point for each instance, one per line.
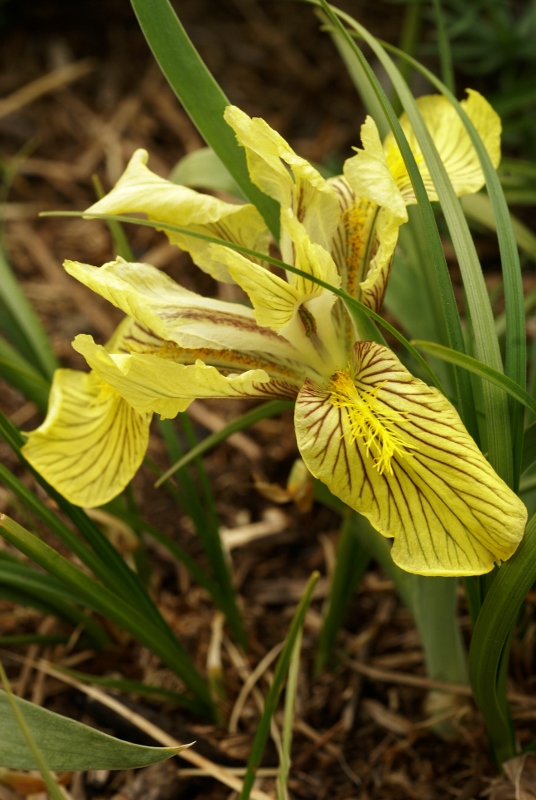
(177, 314)
(153, 384)
(133, 337)
(395, 450)
(91, 443)
(364, 245)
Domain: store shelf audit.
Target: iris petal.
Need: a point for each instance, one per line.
(401, 456)
(178, 315)
(140, 190)
(291, 180)
(92, 442)
(152, 384)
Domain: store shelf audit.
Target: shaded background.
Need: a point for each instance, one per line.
(272, 60)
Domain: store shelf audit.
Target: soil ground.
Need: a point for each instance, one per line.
(362, 729)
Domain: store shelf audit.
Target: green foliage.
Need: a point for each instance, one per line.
(65, 744)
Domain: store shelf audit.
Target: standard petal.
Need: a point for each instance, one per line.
(153, 384)
(276, 169)
(395, 450)
(91, 443)
(275, 300)
(140, 190)
(370, 175)
(452, 142)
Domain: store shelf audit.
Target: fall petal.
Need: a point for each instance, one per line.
(92, 442)
(395, 450)
(175, 314)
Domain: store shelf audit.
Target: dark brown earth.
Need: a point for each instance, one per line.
(361, 729)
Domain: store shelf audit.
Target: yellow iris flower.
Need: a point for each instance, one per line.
(390, 446)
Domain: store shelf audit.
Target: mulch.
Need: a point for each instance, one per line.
(80, 93)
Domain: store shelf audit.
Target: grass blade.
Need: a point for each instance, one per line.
(264, 411)
(25, 319)
(102, 558)
(110, 605)
(486, 342)
(445, 56)
(491, 641)
(204, 517)
(515, 361)
(437, 256)
(200, 95)
(352, 561)
(475, 366)
(263, 728)
(288, 719)
(19, 372)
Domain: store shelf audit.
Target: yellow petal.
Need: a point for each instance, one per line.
(369, 174)
(91, 443)
(276, 169)
(364, 245)
(275, 300)
(372, 289)
(309, 256)
(395, 450)
(133, 337)
(452, 143)
(178, 315)
(140, 190)
(152, 384)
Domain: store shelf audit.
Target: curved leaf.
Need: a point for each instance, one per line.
(66, 744)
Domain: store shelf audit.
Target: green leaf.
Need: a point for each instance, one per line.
(26, 321)
(18, 372)
(515, 362)
(28, 587)
(490, 644)
(265, 410)
(200, 95)
(283, 662)
(529, 448)
(102, 558)
(199, 505)
(66, 744)
(445, 55)
(203, 169)
(478, 207)
(478, 368)
(104, 601)
(486, 342)
(128, 686)
(352, 561)
(449, 310)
